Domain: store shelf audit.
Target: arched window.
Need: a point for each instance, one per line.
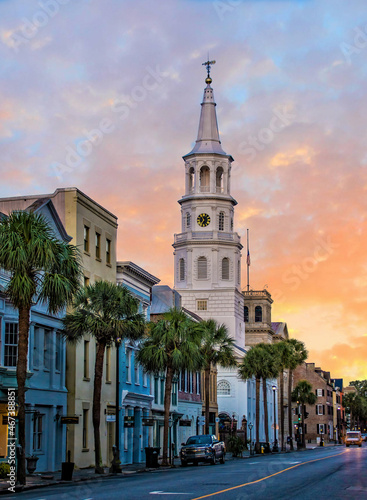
(202, 268)
(181, 266)
(219, 180)
(245, 314)
(191, 179)
(223, 388)
(188, 220)
(258, 314)
(204, 180)
(221, 221)
(225, 268)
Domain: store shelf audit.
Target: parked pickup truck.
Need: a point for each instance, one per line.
(203, 448)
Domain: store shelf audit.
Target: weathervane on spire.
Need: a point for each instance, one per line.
(208, 64)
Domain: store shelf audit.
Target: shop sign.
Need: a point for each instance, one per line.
(148, 421)
(129, 421)
(70, 420)
(110, 418)
(185, 423)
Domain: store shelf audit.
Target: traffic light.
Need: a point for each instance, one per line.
(299, 418)
(305, 413)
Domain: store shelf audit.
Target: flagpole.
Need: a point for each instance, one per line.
(248, 263)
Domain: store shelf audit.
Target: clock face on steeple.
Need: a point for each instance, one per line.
(203, 220)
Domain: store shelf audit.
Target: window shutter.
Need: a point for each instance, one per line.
(318, 428)
(225, 268)
(323, 392)
(182, 269)
(316, 408)
(323, 409)
(202, 268)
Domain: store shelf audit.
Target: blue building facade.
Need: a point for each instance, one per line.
(46, 394)
(134, 384)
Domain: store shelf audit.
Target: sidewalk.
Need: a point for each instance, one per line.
(54, 478)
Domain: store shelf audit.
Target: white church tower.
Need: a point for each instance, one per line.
(207, 256)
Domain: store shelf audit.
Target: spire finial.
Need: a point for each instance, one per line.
(208, 64)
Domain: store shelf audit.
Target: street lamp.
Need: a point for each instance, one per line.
(275, 446)
(250, 426)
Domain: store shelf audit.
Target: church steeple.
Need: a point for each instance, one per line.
(208, 140)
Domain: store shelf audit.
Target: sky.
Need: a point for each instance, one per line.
(105, 96)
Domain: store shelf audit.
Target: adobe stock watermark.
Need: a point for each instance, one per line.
(222, 8)
(281, 119)
(31, 26)
(122, 107)
(298, 273)
(359, 43)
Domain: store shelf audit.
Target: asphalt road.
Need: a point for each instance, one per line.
(323, 473)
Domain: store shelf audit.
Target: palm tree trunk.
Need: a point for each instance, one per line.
(266, 416)
(98, 372)
(290, 419)
(281, 377)
(257, 423)
(167, 404)
(24, 313)
(207, 398)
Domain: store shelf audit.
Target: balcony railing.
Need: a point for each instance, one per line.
(206, 235)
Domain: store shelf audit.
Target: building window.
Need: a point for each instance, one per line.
(174, 393)
(128, 365)
(223, 388)
(198, 380)
(245, 314)
(156, 388)
(219, 180)
(86, 239)
(11, 344)
(108, 364)
(108, 251)
(182, 269)
(319, 393)
(221, 221)
(225, 268)
(258, 314)
(182, 381)
(204, 180)
(37, 431)
(202, 305)
(98, 246)
(36, 352)
(320, 410)
(58, 351)
(46, 349)
(85, 429)
(86, 359)
(136, 373)
(145, 379)
(188, 220)
(202, 268)
(161, 400)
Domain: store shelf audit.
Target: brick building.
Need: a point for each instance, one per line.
(320, 421)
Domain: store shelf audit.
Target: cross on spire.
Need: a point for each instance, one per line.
(208, 64)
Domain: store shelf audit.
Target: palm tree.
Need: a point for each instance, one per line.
(42, 268)
(298, 356)
(109, 313)
(285, 354)
(217, 348)
(171, 345)
(303, 394)
(270, 370)
(253, 366)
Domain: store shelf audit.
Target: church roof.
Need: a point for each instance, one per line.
(208, 140)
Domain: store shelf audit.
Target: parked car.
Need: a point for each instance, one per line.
(353, 437)
(202, 448)
(364, 436)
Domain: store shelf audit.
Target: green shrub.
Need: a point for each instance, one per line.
(236, 445)
(4, 470)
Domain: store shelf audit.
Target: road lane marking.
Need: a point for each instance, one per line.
(166, 493)
(267, 477)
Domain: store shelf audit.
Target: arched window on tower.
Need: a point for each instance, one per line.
(225, 268)
(223, 388)
(181, 266)
(258, 314)
(191, 179)
(202, 268)
(245, 314)
(219, 180)
(221, 221)
(204, 180)
(188, 220)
